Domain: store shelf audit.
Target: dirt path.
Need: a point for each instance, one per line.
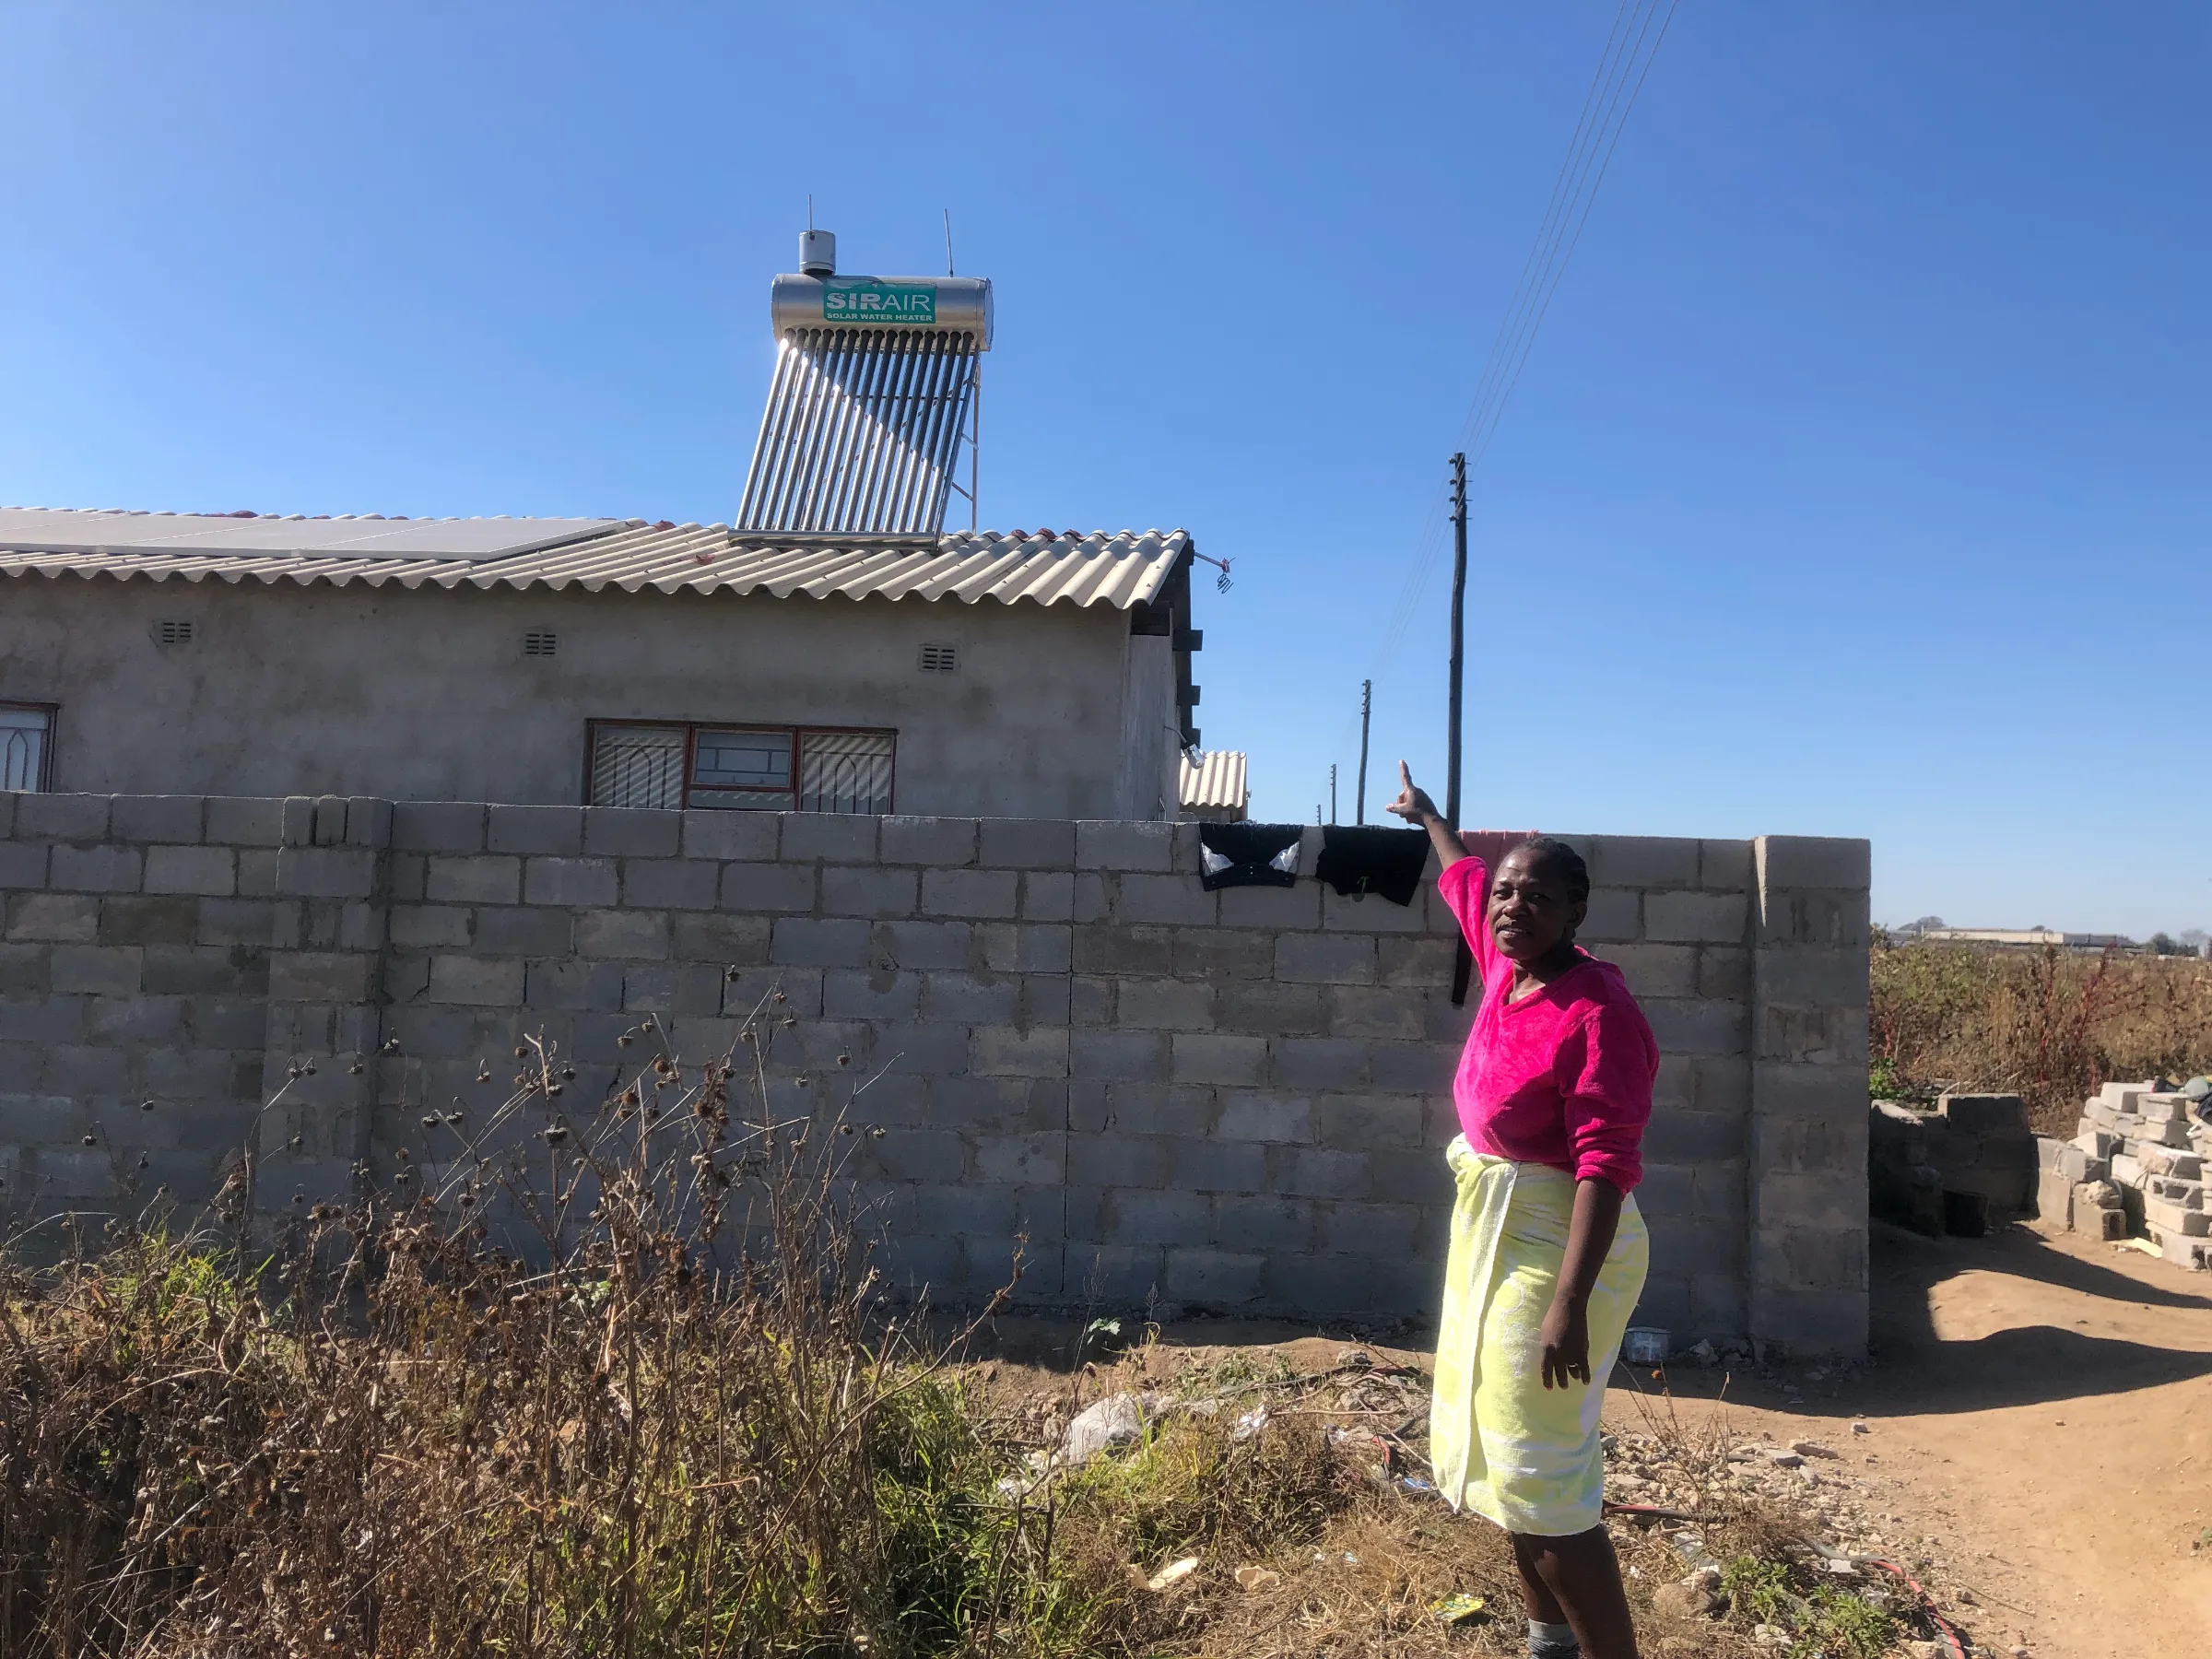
(2039, 1416)
(2042, 1408)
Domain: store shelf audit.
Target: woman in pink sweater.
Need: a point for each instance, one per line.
(1549, 1251)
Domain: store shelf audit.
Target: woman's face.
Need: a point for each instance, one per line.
(1530, 912)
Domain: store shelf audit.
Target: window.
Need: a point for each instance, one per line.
(26, 745)
(541, 642)
(765, 768)
(940, 657)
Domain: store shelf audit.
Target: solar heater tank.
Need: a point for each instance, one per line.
(893, 304)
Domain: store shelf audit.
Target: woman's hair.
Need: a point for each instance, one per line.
(1562, 858)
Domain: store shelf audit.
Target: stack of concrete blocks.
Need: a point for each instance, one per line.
(1963, 1167)
(2137, 1167)
(1234, 1101)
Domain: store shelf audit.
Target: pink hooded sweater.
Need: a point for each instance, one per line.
(1562, 1077)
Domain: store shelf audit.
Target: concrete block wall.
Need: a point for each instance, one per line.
(1234, 1100)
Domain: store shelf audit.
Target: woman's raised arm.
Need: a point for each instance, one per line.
(1415, 806)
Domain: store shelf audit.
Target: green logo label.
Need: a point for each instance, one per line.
(878, 303)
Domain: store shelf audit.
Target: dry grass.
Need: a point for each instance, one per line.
(2048, 1025)
(615, 1381)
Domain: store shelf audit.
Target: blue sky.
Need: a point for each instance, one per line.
(1857, 485)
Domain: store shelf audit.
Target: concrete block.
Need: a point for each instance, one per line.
(1812, 975)
(1724, 973)
(732, 941)
(70, 818)
(1422, 1069)
(1326, 959)
(1985, 1114)
(640, 935)
(244, 821)
(686, 990)
(912, 1154)
(670, 883)
(1022, 1159)
(939, 841)
(1214, 1278)
(804, 941)
(1247, 1220)
(1025, 947)
(1091, 1000)
(522, 930)
(1726, 864)
(478, 981)
(1812, 861)
(870, 994)
(2185, 1165)
(477, 878)
(1224, 953)
(1170, 899)
(865, 890)
(322, 872)
(2174, 1218)
(1423, 961)
(838, 837)
(1654, 970)
(133, 919)
(768, 888)
(1311, 1063)
(970, 998)
(103, 869)
(986, 894)
(1165, 1004)
(176, 820)
(997, 1105)
(436, 826)
(1318, 1173)
(535, 831)
(1371, 914)
(1697, 918)
(1369, 1229)
(711, 833)
(211, 870)
(631, 832)
(924, 944)
(1104, 948)
(1250, 1114)
(1125, 844)
(1027, 843)
(1126, 1217)
(1269, 907)
(2101, 1224)
(1206, 1057)
(1689, 1026)
(1615, 917)
(1050, 895)
(95, 969)
(1119, 1055)
(319, 976)
(22, 864)
(2169, 1189)
(1643, 861)
(1005, 1051)
(573, 984)
(1268, 1008)
(215, 969)
(1361, 1120)
(1387, 1012)
(1119, 1161)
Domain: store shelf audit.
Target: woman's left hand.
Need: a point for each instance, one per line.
(1566, 1339)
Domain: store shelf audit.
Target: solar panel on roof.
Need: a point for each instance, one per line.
(45, 529)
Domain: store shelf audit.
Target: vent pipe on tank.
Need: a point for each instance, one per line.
(817, 253)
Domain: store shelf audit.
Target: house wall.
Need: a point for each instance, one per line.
(426, 695)
(1234, 1100)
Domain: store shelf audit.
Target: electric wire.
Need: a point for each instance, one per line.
(1615, 85)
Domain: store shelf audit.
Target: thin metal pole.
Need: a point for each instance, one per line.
(1459, 630)
(1332, 792)
(1367, 696)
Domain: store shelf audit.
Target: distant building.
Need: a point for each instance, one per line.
(2027, 939)
(1213, 789)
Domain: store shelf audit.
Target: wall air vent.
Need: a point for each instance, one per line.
(940, 658)
(541, 642)
(172, 630)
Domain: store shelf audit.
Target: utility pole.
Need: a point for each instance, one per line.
(1332, 792)
(1366, 695)
(1459, 631)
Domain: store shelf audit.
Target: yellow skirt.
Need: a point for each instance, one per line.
(1502, 1445)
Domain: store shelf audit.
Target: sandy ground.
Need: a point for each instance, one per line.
(2038, 1417)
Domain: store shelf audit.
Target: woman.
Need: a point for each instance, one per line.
(1548, 1251)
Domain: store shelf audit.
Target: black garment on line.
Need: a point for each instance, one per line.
(1247, 855)
(1359, 861)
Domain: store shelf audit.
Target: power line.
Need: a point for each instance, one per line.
(1611, 97)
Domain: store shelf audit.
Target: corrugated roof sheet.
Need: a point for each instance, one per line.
(70, 529)
(1216, 783)
(1121, 570)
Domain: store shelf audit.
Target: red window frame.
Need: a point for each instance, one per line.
(692, 794)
